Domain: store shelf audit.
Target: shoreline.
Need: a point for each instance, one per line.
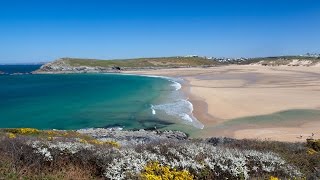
(200, 110)
(225, 94)
(179, 86)
(217, 94)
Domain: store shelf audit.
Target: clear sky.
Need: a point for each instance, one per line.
(34, 30)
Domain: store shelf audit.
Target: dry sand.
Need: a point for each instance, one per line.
(220, 94)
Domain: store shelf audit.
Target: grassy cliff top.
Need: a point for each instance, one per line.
(178, 61)
(281, 60)
(143, 62)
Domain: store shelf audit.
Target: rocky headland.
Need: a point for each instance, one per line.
(76, 65)
(62, 67)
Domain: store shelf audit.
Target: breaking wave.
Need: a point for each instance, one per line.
(176, 85)
(181, 108)
(177, 109)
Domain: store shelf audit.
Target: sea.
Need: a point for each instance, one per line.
(77, 101)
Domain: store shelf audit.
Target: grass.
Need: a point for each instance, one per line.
(280, 60)
(177, 61)
(143, 62)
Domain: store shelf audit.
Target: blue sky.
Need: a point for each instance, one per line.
(34, 30)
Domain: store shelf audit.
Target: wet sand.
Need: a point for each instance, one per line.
(224, 94)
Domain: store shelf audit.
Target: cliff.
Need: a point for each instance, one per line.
(75, 65)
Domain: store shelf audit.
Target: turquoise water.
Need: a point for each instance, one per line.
(90, 100)
(292, 117)
(10, 69)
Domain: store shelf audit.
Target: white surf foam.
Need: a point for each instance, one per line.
(181, 109)
(153, 110)
(186, 117)
(176, 85)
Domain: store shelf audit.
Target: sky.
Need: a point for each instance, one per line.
(40, 31)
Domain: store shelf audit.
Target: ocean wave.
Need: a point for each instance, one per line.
(174, 81)
(186, 117)
(176, 85)
(153, 110)
(181, 109)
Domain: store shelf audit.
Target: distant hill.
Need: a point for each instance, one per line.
(283, 60)
(78, 65)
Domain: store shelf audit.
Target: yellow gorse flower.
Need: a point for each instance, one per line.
(273, 178)
(97, 142)
(311, 151)
(11, 135)
(23, 131)
(52, 133)
(154, 171)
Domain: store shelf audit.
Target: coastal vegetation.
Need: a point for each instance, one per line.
(80, 65)
(144, 62)
(110, 154)
(283, 60)
(182, 61)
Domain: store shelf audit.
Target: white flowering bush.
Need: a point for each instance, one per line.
(223, 162)
(195, 157)
(106, 158)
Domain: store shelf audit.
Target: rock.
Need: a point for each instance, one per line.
(61, 66)
(2, 73)
(116, 68)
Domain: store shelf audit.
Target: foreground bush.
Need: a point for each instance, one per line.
(68, 155)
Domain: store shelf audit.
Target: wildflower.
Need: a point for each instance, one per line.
(113, 143)
(11, 135)
(273, 178)
(83, 141)
(153, 171)
(38, 148)
(98, 142)
(52, 133)
(311, 151)
(23, 131)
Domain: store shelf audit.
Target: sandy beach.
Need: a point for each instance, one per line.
(253, 101)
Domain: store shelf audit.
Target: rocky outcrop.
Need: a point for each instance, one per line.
(1, 73)
(62, 67)
(76, 65)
